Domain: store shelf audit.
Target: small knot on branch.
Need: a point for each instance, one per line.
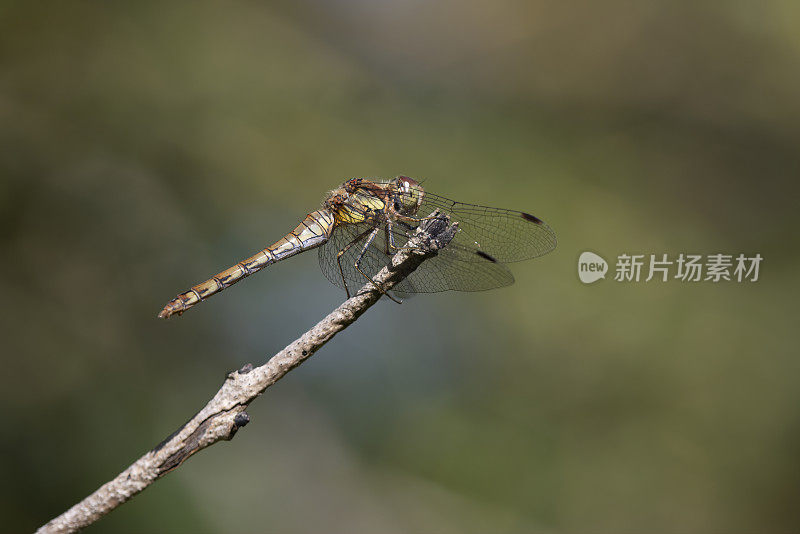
(436, 232)
(241, 420)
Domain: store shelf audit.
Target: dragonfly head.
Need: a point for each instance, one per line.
(409, 195)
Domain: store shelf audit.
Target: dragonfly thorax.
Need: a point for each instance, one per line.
(365, 201)
(354, 205)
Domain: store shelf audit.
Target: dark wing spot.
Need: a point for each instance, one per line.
(531, 218)
(485, 256)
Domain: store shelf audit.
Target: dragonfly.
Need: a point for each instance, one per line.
(363, 222)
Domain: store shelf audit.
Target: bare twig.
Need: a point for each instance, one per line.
(225, 413)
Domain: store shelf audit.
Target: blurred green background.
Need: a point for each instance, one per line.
(146, 146)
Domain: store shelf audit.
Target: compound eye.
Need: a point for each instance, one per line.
(406, 183)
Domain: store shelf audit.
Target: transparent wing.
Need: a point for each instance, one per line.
(350, 238)
(456, 267)
(504, 235)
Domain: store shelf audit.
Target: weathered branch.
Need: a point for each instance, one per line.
(225, 413)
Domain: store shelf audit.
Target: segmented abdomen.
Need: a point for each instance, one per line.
(315, 230)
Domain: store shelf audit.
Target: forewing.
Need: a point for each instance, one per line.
(503, 235)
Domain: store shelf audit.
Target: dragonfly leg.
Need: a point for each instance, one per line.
(390, 232)
(347, 247)
(357, 263)
(389, 237)
(390, 246)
